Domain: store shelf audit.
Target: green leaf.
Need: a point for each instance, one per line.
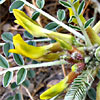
(16, 5)
(40, 3)
(75, 1)
(75, 27)
(3, 62)
(52, 26)
(31, 43)
(65, 4)
(88, 22)
(6, 48)
(18, 96)
(61, 14)
(81, 7)
(10, 98)
(92, 94)
(2, 1)
(21, 75)
(35, 15)
(7, 78)
(71, 19)
(28, 35)
(31, 73)
(26, 83)
(18, 59)
(14, 86)
(7, 37)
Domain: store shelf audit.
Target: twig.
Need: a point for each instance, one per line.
(28, 93)
(64, 71)
(28, 10)
(34, 66)
(86, 6)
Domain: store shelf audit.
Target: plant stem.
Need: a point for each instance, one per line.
(64, 71)
(28, 93)
(1, 44)
(55, 20)
(87, 40)
(45, 64)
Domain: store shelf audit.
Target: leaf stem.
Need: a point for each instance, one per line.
(45, 64)
(1, 44)
(55, 20)
(87, 40)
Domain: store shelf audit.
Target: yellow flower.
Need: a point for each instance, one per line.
(24, 49)
(33, 28)
(55, 90)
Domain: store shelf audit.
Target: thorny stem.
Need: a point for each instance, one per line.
(87, 40)
(60, 62)
(55, 20)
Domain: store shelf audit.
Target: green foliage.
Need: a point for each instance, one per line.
(10, 98)
(6, 48)
(18, 96)
(3, 62)
(81, 7)
(14, 86)
(21, 75)
(31, 73)
(71, 19)
(17, 4)
(65, 4)
(52, 26)
(35, 15)
(75, 27)
(18, 59)
(64, 46)
(26, 83)
(92, 94)
(40, 3)
(88, 22)
(7, 37)
(79, 87)
(28, 35)
(7, 78)
(61, 14)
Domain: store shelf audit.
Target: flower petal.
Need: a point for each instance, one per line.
(27, 50)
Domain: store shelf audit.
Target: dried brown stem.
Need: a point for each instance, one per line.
(64, 71)
(88, 2)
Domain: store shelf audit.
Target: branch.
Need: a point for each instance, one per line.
(45, 64)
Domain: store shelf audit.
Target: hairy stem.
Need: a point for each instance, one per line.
(87, 40)
(55, 20)
(46, 64)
